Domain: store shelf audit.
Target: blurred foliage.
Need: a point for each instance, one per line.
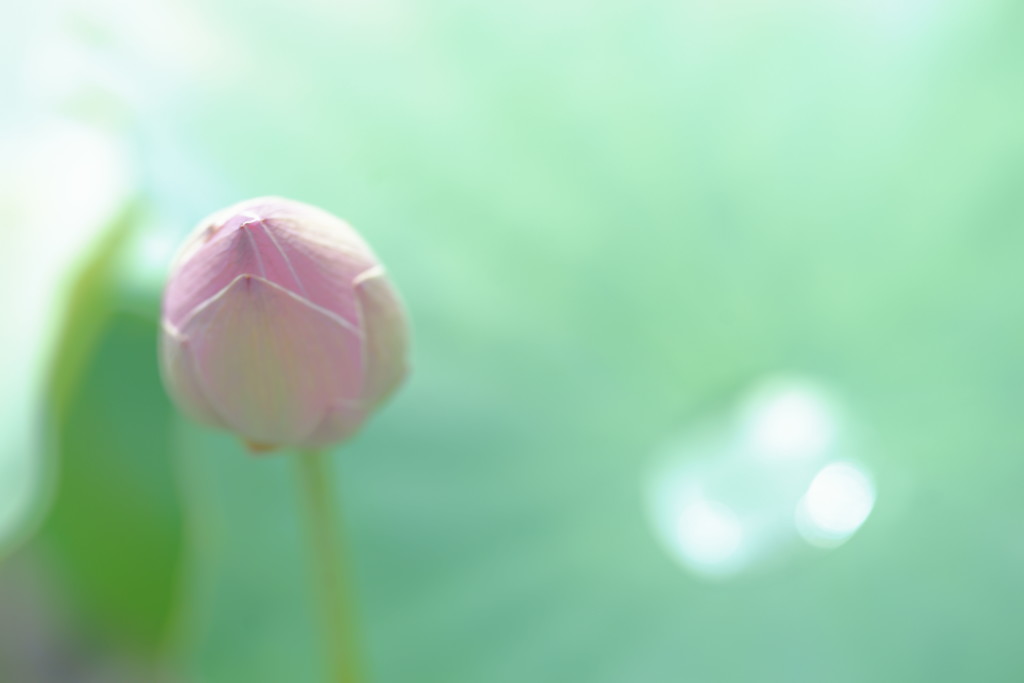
(90, 305)
(606, 219)
(114, 529)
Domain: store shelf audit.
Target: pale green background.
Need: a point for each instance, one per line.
(609, 221)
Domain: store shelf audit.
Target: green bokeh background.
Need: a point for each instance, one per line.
(609, 220)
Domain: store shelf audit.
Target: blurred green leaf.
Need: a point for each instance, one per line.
(114, 530)
(110, 529)
(90, 305)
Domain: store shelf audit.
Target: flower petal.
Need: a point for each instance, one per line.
(301, 248)
(272, 364)
(215, 256)
(322, 254)
(340, 423)
(387, 335)
(179, 373)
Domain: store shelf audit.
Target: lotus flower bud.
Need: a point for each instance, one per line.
(280, 325)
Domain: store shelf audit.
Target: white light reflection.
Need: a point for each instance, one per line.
(710, 536)
(61, 182)
(836, 504)
(697, 526)
(746, 489)
(790, 419)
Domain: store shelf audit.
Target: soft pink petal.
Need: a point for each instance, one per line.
(383, 321)
(301, 248)
(340, 423)
(322, 251)
(212, 260)
(387, 335)
(179, 372)
(273, 364)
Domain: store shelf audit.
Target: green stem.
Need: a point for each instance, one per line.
(339, 636)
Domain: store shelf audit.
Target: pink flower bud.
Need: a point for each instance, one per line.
(280, 325)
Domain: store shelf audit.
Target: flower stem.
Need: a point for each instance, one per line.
(339, 637)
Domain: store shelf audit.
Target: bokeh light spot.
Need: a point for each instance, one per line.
(790, 419)
(709, 536)
(745, 489)
(838, 501)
